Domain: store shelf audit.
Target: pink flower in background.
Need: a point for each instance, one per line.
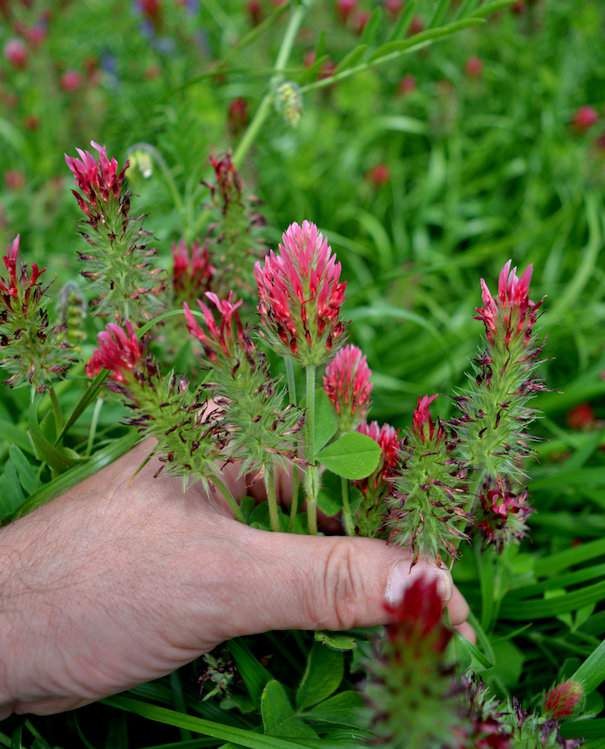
(255, 12)
(228, 181)
(379, 175)
(118, 350)
(191, 270)
(584, 118)
(407, 85)
(361, 21)
(300, 295)
(474, 67)
(71, 80)
(563, 699)
(15, 52)
(512, 313)
(35, 35)
(348, 385)
(345, 8)
(14, 179)
(393, 7)
(422, 422)
(99, 179)
(416, 26)
(225, 338)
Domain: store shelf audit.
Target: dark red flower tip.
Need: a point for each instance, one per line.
(228, 182)
(563, 699)
(416, 26)
(407, 84)
(118, 350)
(418, 618)
(361, 21)
(422, 422)
(584, 118)
(255, 12)
(345, 8)
(237, 115)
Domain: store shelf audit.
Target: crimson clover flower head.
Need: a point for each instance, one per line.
(21, 288)
(584, 118)
(192, 270)
(563, 699)
(502, 515)
(348, 385)
(422, 422)
(485, 724)
(99, 179)
(224, 337)
(511, 315)
(300, 296)
(119, 350)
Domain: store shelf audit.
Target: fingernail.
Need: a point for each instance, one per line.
(402, 575)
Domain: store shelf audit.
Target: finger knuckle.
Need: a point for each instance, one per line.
(341, 586)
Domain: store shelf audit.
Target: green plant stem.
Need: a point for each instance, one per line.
(229, 498)
(346, 508)
(271, 489)
(57, 412)
(312, 476)
(291, 379)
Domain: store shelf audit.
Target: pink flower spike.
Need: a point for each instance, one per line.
(226, 338)
(300, 296)
(563, 699)
(22, 282)
(389, 441)
(347, 384)
(422, 421)
(512, 315)
(16, 53)
(118, 350)
(192, 271)
(100, 180)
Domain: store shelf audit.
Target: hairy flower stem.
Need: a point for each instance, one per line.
(271, 489)
(346, 508)
(312, 475)
(289, 362)
(229, 498)
(57, 412)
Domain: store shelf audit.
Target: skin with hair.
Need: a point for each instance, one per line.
(125, 578)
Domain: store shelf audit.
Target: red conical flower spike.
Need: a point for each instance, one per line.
(347, 384)
(119, 350)
(563, 699)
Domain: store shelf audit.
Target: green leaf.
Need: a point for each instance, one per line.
(279, 718)
(12, 433)
(489, 8)
(326, 422)
(591, 673)
(11, 493)
(372, 26)
(87, 398)
(26, 472)
(527, 610)
(584, 729)
(353, 456)
(238, 736)
(509, 662)
(254, 674)
(352, 58)
(322, 677)
(60, 459)
(336, 641)
(342, 708)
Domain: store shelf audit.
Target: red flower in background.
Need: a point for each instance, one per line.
(301, 294)
(21, 283)
(16, 53)
(474, 67)
(361, 21)
(503, 514)
(237, 115)
(14, 179)
(581, 416)
(407, 85)
(347, 384)
(228, 181)
(71, 80)
(255, 12)
(191, 270)
(416, 26)
(584, 118)
(345, 8)
(379, 175)
(118, 350)
(393, 7)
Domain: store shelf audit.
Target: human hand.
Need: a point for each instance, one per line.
(125, 578)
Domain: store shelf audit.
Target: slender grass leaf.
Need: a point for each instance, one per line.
(87, 398)
(238, 736)
(543, 609)
(254, 674)
(591, 673)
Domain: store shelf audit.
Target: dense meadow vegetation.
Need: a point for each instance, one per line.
(430, 142)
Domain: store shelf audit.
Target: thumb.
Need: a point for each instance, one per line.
(307, 582)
